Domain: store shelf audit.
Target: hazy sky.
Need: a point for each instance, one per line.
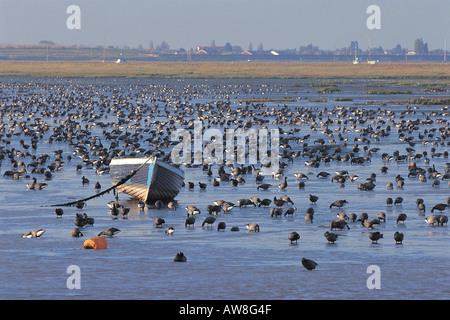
(277, 24)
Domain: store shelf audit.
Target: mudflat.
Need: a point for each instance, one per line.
(226, 70)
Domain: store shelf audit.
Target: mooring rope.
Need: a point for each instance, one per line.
(122, 181)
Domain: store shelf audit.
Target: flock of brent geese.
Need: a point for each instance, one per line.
(100, 122)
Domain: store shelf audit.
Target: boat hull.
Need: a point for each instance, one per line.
(155, 180)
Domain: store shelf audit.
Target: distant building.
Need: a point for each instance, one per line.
(210, 49)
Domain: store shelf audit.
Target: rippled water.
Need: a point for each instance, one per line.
(138, 263)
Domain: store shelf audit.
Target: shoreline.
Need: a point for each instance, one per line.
(226, 70)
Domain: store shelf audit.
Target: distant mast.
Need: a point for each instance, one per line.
(356, 61)
(445, 49)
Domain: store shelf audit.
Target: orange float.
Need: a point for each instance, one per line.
(96, 243)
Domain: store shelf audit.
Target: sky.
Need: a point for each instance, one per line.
(277, 24)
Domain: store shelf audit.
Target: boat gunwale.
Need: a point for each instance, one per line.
(153, 159)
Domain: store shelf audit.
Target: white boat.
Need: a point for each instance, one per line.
(151, 179)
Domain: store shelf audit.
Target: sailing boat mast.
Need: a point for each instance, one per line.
(445, 49)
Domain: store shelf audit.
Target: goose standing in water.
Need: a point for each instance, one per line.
(284, 184)
(278, 202)
(293, 236)
(34, 185)
(59, 212)
(265, 203)
(330, 236)
(432, 220)
(381, 216)
(401, 217)
(290, 211)
(398, 237)
(172, 205)
(263, 186)
(189, 221)
(192, 210)
(313, 199)
(31, 185)
(439, 207)
(276, 212)
(338, 203)
(209, 221)
(375, 236)
(221, 226)
(159, 222)
(309, 217)
(110, 232)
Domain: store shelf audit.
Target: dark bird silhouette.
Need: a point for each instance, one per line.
(189, 221)
(159, 222)
(293, 236)
(338, 203)
(338, 224)
(263, 186)
(221, 226)
(284, 184)
(309, 264)
(375, 236)
(180, 257)
(59, 212)
(398, 237)
(213, 209)
(389, 201)
(381, 216)
(290, 211)
(313, 199)
(278, 202)
(159, 204)
(265, 203)
(208, 221)
(276, 212)
(309, 217)
(398, 201)
(401, 217)
(110, 232)
(439, 207)
(330, 236)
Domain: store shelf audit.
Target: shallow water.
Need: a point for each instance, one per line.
(138, 263)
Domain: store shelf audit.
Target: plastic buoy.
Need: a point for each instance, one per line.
(96, 243)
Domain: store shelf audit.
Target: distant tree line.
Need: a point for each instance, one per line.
(420, 48)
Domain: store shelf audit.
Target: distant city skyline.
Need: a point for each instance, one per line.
(284, 24)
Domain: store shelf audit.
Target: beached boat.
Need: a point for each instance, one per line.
(154, 179)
